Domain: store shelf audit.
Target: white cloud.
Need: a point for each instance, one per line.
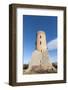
(52, 44)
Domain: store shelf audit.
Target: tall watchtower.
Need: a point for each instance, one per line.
(40, 62)
(41, 41)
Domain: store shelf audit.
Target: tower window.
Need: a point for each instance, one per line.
(40, 42)
(40, 36)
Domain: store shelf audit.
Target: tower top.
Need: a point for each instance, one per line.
(40, 32)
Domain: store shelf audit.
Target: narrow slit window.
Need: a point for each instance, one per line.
(40, 36)
(40, 42)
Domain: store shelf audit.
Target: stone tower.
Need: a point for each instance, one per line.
(40, 61)
(41, 41)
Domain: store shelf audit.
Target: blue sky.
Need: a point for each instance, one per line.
(33, 24)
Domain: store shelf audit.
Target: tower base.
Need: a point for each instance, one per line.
(40, 63)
